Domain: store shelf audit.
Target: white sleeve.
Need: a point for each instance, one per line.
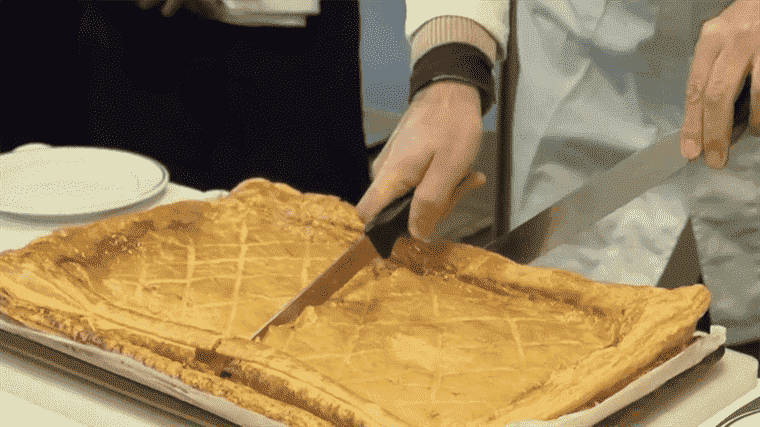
(493, 15)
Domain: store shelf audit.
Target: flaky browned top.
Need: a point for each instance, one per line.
(206, 270)
(452, 335)
(424, 331)
(182, 280)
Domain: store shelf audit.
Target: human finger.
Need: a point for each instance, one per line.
(147, 4)
(170, 7)
(444, 182)
(706, 51)
(471, 182)
(401, 171)
(409, 117)
(720, 93)
(383, 190)
(755, 97)
(379, 161)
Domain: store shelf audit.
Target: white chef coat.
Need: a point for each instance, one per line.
(598, 81)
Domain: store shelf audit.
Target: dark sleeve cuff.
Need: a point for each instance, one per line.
(459, 62)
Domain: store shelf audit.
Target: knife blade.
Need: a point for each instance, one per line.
(605, 193)
(380, 234)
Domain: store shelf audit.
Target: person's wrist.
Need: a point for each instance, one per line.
(457, 62)
(446, 91)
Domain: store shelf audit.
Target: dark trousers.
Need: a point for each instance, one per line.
(215, 103)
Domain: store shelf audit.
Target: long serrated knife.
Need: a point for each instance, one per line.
(605, 193)
(563, 220)
(380, 234)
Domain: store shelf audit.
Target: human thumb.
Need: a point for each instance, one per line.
(380, 194)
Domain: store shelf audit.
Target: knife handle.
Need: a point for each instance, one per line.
(391, 223)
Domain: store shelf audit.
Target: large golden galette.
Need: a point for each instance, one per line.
(438, 335)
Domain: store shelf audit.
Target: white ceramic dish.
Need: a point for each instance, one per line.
(746, 420)
(62, 181)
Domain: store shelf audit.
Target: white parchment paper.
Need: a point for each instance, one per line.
(129, 368)
(646, 384)
(136, 371)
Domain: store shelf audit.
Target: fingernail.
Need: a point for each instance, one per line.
(714, 159)
(416, 234)
(419, 232)
(425, 222)
(690, 149)
(368, 206)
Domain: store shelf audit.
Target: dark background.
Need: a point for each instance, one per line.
(215, 103)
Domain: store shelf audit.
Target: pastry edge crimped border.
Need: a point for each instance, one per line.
(656, 336)
(330, 399)
(65, 325)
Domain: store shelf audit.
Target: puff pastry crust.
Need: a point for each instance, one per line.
(439, 335)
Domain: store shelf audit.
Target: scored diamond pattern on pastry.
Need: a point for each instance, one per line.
(435, 350)
(231, 274)
(442, 335)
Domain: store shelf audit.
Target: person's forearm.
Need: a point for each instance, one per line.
(448, 29)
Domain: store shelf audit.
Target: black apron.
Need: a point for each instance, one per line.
(215, 103)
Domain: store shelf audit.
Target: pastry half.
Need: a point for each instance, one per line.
(438, 335)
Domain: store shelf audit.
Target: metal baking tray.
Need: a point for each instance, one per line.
(124, 376)
(109, 371)
(102, 378)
